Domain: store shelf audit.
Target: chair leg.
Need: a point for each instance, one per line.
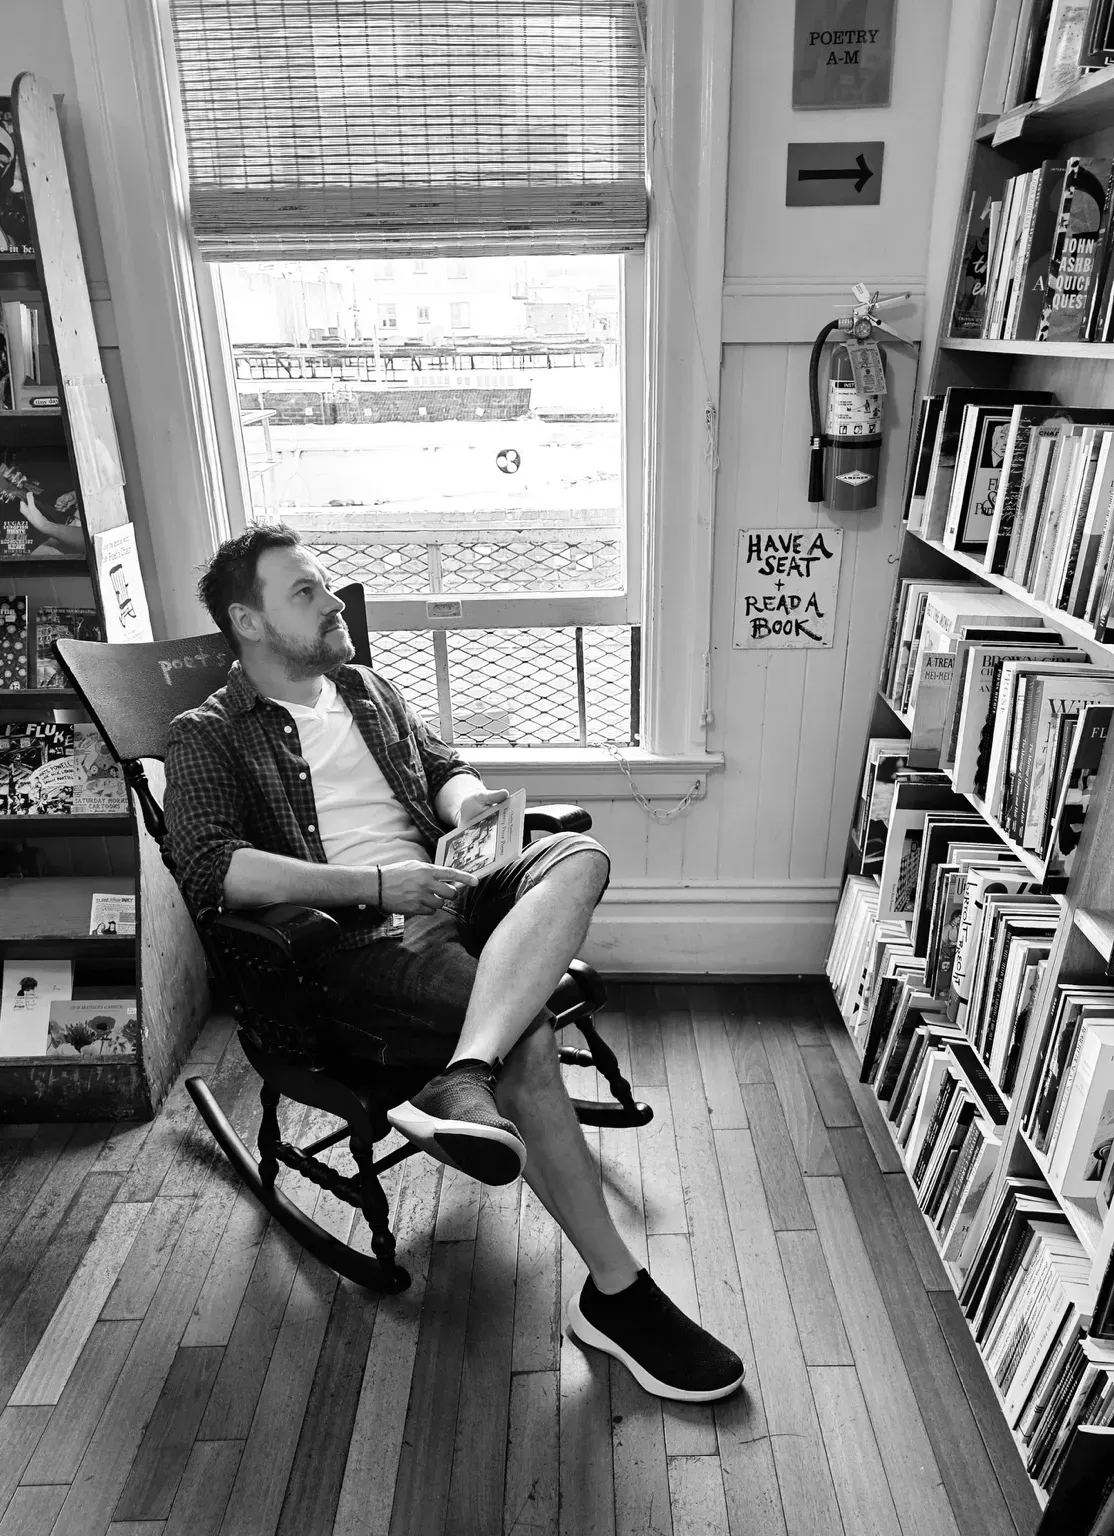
(363, 1268)
(624, 1111)
(377, 1213)
(269, 1136)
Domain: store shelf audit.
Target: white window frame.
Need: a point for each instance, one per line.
(168, 328)
(526, 610)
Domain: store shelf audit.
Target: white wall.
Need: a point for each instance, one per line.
(762, 856)
(746, 882)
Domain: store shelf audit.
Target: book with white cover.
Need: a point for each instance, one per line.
(489, 840)
(26, 993)
(1086, 1130)
(974, 709)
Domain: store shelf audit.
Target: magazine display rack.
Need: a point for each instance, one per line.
(56, 414)
(1080, 374)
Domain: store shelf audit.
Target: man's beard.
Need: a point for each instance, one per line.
(309, 658)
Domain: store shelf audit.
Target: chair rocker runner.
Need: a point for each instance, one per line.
(264, 960)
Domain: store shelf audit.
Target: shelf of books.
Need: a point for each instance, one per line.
(98, 1003)
(973, 943)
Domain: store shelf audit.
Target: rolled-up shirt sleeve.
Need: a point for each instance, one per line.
(440, 761)
(205, 810)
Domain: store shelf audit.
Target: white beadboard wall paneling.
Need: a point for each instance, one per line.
(713, 928)
(877, 535)
(750, 447)
(763, 236)
(785, 670)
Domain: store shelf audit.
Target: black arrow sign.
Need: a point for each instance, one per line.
(860, 177)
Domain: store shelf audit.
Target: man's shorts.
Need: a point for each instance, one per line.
(401, 1002)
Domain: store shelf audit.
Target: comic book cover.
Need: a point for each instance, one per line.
(13, 642)
(52, 781)
(60, 624)
(20, 755)
(98, 782)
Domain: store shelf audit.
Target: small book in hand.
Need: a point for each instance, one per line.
(487, 841)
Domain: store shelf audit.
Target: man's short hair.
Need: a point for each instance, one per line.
(232, 575)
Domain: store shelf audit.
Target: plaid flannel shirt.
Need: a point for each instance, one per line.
(236, 778)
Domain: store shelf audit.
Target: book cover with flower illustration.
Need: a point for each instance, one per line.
(92, 1027)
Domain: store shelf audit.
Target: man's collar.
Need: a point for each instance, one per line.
(244, 696)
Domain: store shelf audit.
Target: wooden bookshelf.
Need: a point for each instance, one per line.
(46, 915)
(1080, 374)
(1089, 350)
(1084, 109)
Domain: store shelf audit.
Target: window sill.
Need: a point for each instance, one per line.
(591, 773)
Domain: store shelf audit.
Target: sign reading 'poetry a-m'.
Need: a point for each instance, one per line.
(786, 584)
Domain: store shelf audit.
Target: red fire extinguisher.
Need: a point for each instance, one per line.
(846, 444)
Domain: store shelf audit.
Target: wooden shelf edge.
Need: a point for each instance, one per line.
(955, 1279)
(1098, 929)
(43, 565)
(1077, 628)
(1083, 1215)
(86, 946)
(1020, 348)
(1081, 107)
(118, 824)
(57, 1058)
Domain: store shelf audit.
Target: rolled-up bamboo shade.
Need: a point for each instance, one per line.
(325, 129)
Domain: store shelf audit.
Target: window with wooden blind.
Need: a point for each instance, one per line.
(425, 224)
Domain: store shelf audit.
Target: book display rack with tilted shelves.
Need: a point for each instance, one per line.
(891, 981)
(68, 828)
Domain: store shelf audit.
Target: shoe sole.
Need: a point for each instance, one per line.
(484, 1152)
(585, 1333)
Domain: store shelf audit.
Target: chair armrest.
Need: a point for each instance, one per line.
(299, 931)
(556, 818)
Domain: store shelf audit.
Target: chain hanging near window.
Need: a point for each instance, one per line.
(686, 802)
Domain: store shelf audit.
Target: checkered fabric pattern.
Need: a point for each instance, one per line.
(236, 778)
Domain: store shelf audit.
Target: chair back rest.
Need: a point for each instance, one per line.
(134, 691)
(355, 616)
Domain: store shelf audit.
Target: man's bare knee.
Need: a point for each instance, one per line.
(587, 869)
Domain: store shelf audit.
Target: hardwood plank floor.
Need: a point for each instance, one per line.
(170, 1362)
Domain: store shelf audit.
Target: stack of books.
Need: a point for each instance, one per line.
(1025, 1296)
(1040, 48)
(1068, 1115)
(1047, 264)
(1012, 716)
(975, 937)
(1026, 488)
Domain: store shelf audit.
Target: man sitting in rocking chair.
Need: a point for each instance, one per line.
(306, 779)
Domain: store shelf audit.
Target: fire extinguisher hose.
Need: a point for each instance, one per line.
(816, 443)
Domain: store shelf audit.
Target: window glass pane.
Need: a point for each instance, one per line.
(438, 426)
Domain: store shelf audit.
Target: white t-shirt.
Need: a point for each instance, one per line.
(359, 819)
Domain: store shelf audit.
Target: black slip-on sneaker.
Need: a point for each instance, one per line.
(665, 1351)
(454, 1118)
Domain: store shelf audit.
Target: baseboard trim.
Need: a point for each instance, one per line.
(700, 928)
